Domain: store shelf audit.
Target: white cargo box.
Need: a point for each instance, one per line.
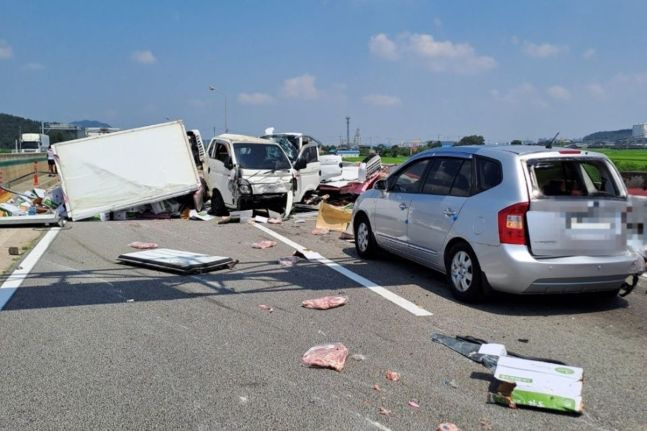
(125, 169)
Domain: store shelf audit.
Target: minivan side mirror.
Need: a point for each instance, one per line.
(300, 164)
(380, 185)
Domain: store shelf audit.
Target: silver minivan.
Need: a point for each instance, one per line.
(518, 219)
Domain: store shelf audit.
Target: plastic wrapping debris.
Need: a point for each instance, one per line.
(326, 356)
(264, 244)
(447, 426)
(202, 215)
(265, 307)
(325, 302)
(358, 357)
(288, 262)
(143, 245)
(392, 375)
(414, 404)
(318, 231)
(274, 221)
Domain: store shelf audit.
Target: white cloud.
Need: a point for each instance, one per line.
(437, 56)
(596, 90)
(542, 50)
(33, 66)
(523, 94)
(630, 79)
(588, 54)
(300, 87)
(255, 99)
(558, 92)
(381, 46)
(144, 57)
(383, 100)
(6, 52)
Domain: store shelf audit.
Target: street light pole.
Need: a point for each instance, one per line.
(212, 88)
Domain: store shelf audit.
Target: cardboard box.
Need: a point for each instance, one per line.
(538, 384)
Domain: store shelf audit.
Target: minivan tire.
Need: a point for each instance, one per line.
(218, 207)
(464, 273)
(365, 243)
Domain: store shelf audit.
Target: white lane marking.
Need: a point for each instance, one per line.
(13, 282)
(643, 276)
(377, 425)
(312, 255)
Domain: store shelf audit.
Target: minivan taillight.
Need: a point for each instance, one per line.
(512, 224)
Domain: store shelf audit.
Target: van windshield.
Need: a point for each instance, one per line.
(261, 156)
(564, 177)
(287, 146)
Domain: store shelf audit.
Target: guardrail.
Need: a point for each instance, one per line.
(21, 156)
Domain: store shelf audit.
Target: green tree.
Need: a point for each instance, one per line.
(395, 151)
(515, 142)
(472, 140)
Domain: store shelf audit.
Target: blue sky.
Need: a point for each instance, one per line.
(406, 69)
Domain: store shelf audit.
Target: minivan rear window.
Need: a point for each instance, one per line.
(559, 177)
(488, 174)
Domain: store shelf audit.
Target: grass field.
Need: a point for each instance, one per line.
(625, 160)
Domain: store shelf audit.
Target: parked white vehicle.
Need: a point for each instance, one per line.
(303, 152)
(244, 172)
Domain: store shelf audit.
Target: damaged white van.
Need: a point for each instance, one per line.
(244, 172)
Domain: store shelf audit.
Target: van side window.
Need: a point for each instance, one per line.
(463, 182)
(221, 152)
(488, 174)
(410, 179)
(310, 154)
(441, 176)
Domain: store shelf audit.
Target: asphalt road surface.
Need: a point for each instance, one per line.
(87, 343)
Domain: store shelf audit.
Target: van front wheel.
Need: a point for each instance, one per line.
(218, 207)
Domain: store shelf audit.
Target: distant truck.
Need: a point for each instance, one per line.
(33, 143)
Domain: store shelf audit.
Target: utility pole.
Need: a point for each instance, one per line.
(348, 131)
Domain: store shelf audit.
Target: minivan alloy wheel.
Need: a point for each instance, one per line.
(461, 271)
(362, 236)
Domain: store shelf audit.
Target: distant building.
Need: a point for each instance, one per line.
(639, 131)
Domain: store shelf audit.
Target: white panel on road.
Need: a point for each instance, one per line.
(178, 260)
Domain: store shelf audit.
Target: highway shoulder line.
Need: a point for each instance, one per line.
(375, 288)
(13, 282)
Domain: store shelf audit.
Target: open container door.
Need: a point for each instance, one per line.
(126, 169)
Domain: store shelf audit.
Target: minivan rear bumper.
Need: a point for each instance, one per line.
(511, 268)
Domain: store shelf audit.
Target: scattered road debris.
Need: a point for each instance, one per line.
(14, 251)
(523, 340)
(288, 262)
(485, 424)
(345, 236)
(318, 231)
(326, 356)
(414, 404)
(392, 375)
(376, 387)
(447, 426)
(35, 206)
(452, 383)
(384, 411)
(325, 303)
(202, 215)
(260, 219)
(358, 357)
(130, 300)
(274, 220)
(143, 245)
(265, 307)
(264, 244)
(177, 261)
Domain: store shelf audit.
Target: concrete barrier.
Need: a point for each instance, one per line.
(17, 167)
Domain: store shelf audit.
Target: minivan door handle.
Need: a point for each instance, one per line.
(403, 206)
(449, 212)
